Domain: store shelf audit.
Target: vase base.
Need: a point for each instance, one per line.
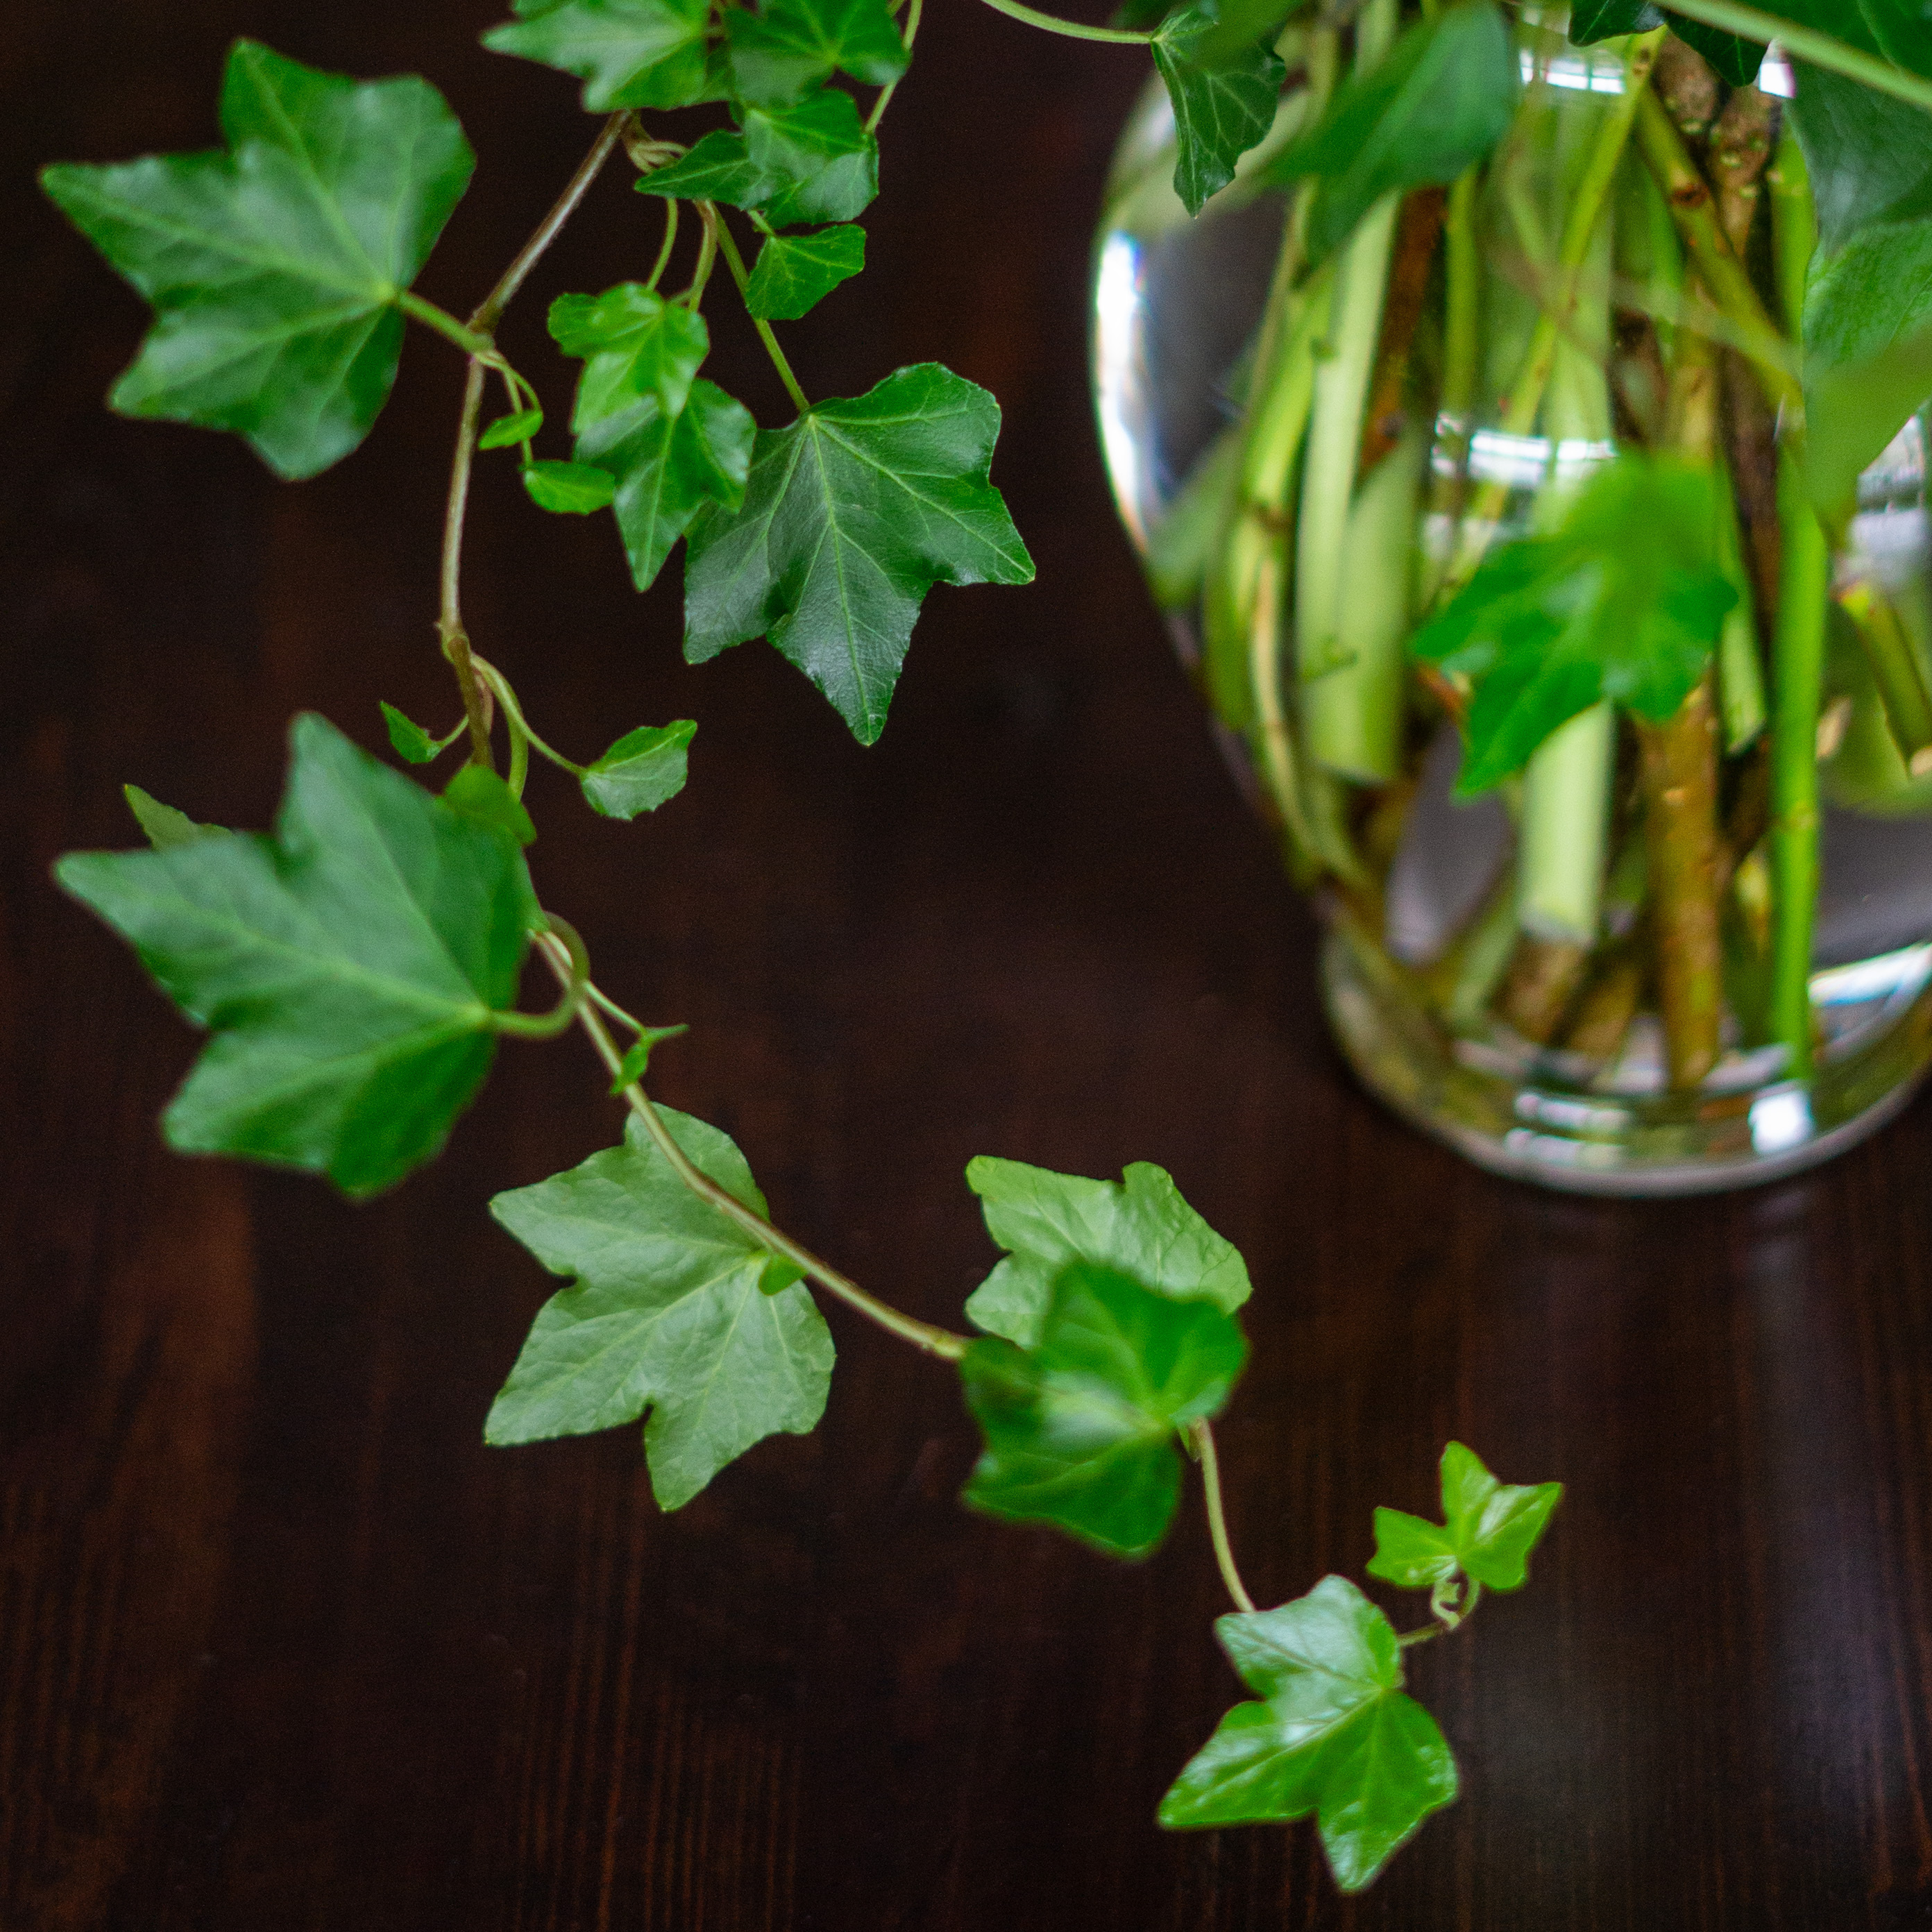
(1527, 1123)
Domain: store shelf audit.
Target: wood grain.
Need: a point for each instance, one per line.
(282, 1644)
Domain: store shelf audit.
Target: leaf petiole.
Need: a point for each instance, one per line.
(576, 981)
(522, 739)
(444, 324)
(914, 11)
(1201, 1442)
(1072, 29)
(736, 262)
(663, 261)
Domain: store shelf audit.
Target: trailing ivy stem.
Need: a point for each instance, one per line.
(472, 340)
(455, 640)
(914, 11)
(663, 261)
(923, 1335)
(499, 688)
(1201, 1436)
(1073, 29)
(1808, 43)
(576, 978)
(735, 263)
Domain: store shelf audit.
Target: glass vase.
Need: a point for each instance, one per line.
(1520, 973)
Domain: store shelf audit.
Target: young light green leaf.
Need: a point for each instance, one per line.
(1080, 1428)
(507, 431)
(1138, 1224)
(410, 742)
(787, 46)
(167, 829)
(1222, 106)
(666, 468)
(569, 489)
(628, 53)
(483, 794)
(1493, 1526)
(636, 1060)
(641, 770)
(274, 269)
(718, 167)
(851, 513)
(1337, 1735)
(1443, 97)
(1624, 602)
(794, 272)
(1411, 1551)
(349, 967)
(632, 343)
(824, 162)
(674, 1309)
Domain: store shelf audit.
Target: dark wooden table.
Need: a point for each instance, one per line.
(282, 1645)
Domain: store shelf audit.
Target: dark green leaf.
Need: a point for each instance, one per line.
(824, 163)
(571, 489)
(641, 770)
(410, 742)
(1080, 1428)
(1624, 602)
(789, 46)
(1875, 291)
(167, 829)
(852, 513)
(1411, 1551)
(1222, 105)
(483, 794)
(506, 430)
(1492, 1525)
(676, 1309)
(636, 1061)
(1337, 1735)
(274, 269)
(667, 468)
(1853, 411)
(1138, 1224)
(1593, 20)
(348, 967)
(793, 272)
(1735, 60)
(1868, 156)
(632, 343)
(718, 168)
(1443, 97)
(628, 53)
(1241, 23)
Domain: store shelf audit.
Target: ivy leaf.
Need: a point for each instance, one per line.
(1867, 155)
(628, 53)
(1735, 59)
(717, 167)
(1593, 20)
(1138, 1225)
(485, 795)
(789, 46)
(636, 1060)
(410, 742)
(167, 829)
(794, 272)
(1875, 291)
(1493, 1526)
(1852, 411)
(1222, 106)
(666, 468)
(632, 343)
(824, 162)
(506, 431)
(1411, 1551)
(568, 489)
(275, 268)
(675, 1309)
(1336, 1736)
(1080, 1428)
(640, 771)
(1624, 602)
(851, 513)
(1444, 95)
(349, 967)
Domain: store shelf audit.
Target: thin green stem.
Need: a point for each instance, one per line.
(472, 341)
(1201, 1436)
(449, 623)
(499, 687)
(575, 975)
(707, 255)
(663, 261)
(913, 12)
(1808, 43)
(924, 1335)
(1073, 29)
(735, 263)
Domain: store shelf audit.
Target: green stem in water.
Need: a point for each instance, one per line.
(1566, 798)
(1794, 227)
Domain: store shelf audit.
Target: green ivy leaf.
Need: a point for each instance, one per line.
(411, 742)
(1138, 1224)
(569, 489)
(675, 1309)
(1493, 1526)
(1593, 20)
(666, 468)
(1080, 1428)
(167, 829)
(1867, 155)
(851, 513)
(1735, 60)
(628, 53)
(640, 771)
(632, 343)
(1444, 97)
(1411, 1551)
(348, 968)
(1875, 291)
(824, 162)
(1222, 106)
(507, 431)
(1336, 1736)
(485, 795)
(795, 272)
(275, 268)
(1624, 602)
(718, 167)
(789, 46)
(636, 1060)
(1853, 410)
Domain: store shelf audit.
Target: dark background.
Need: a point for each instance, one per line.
(282, 1644)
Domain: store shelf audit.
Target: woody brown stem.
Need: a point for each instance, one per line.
(1687, 86)
(1384, 420)
(1542, 980)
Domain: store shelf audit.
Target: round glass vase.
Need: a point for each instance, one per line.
(1509, 971)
